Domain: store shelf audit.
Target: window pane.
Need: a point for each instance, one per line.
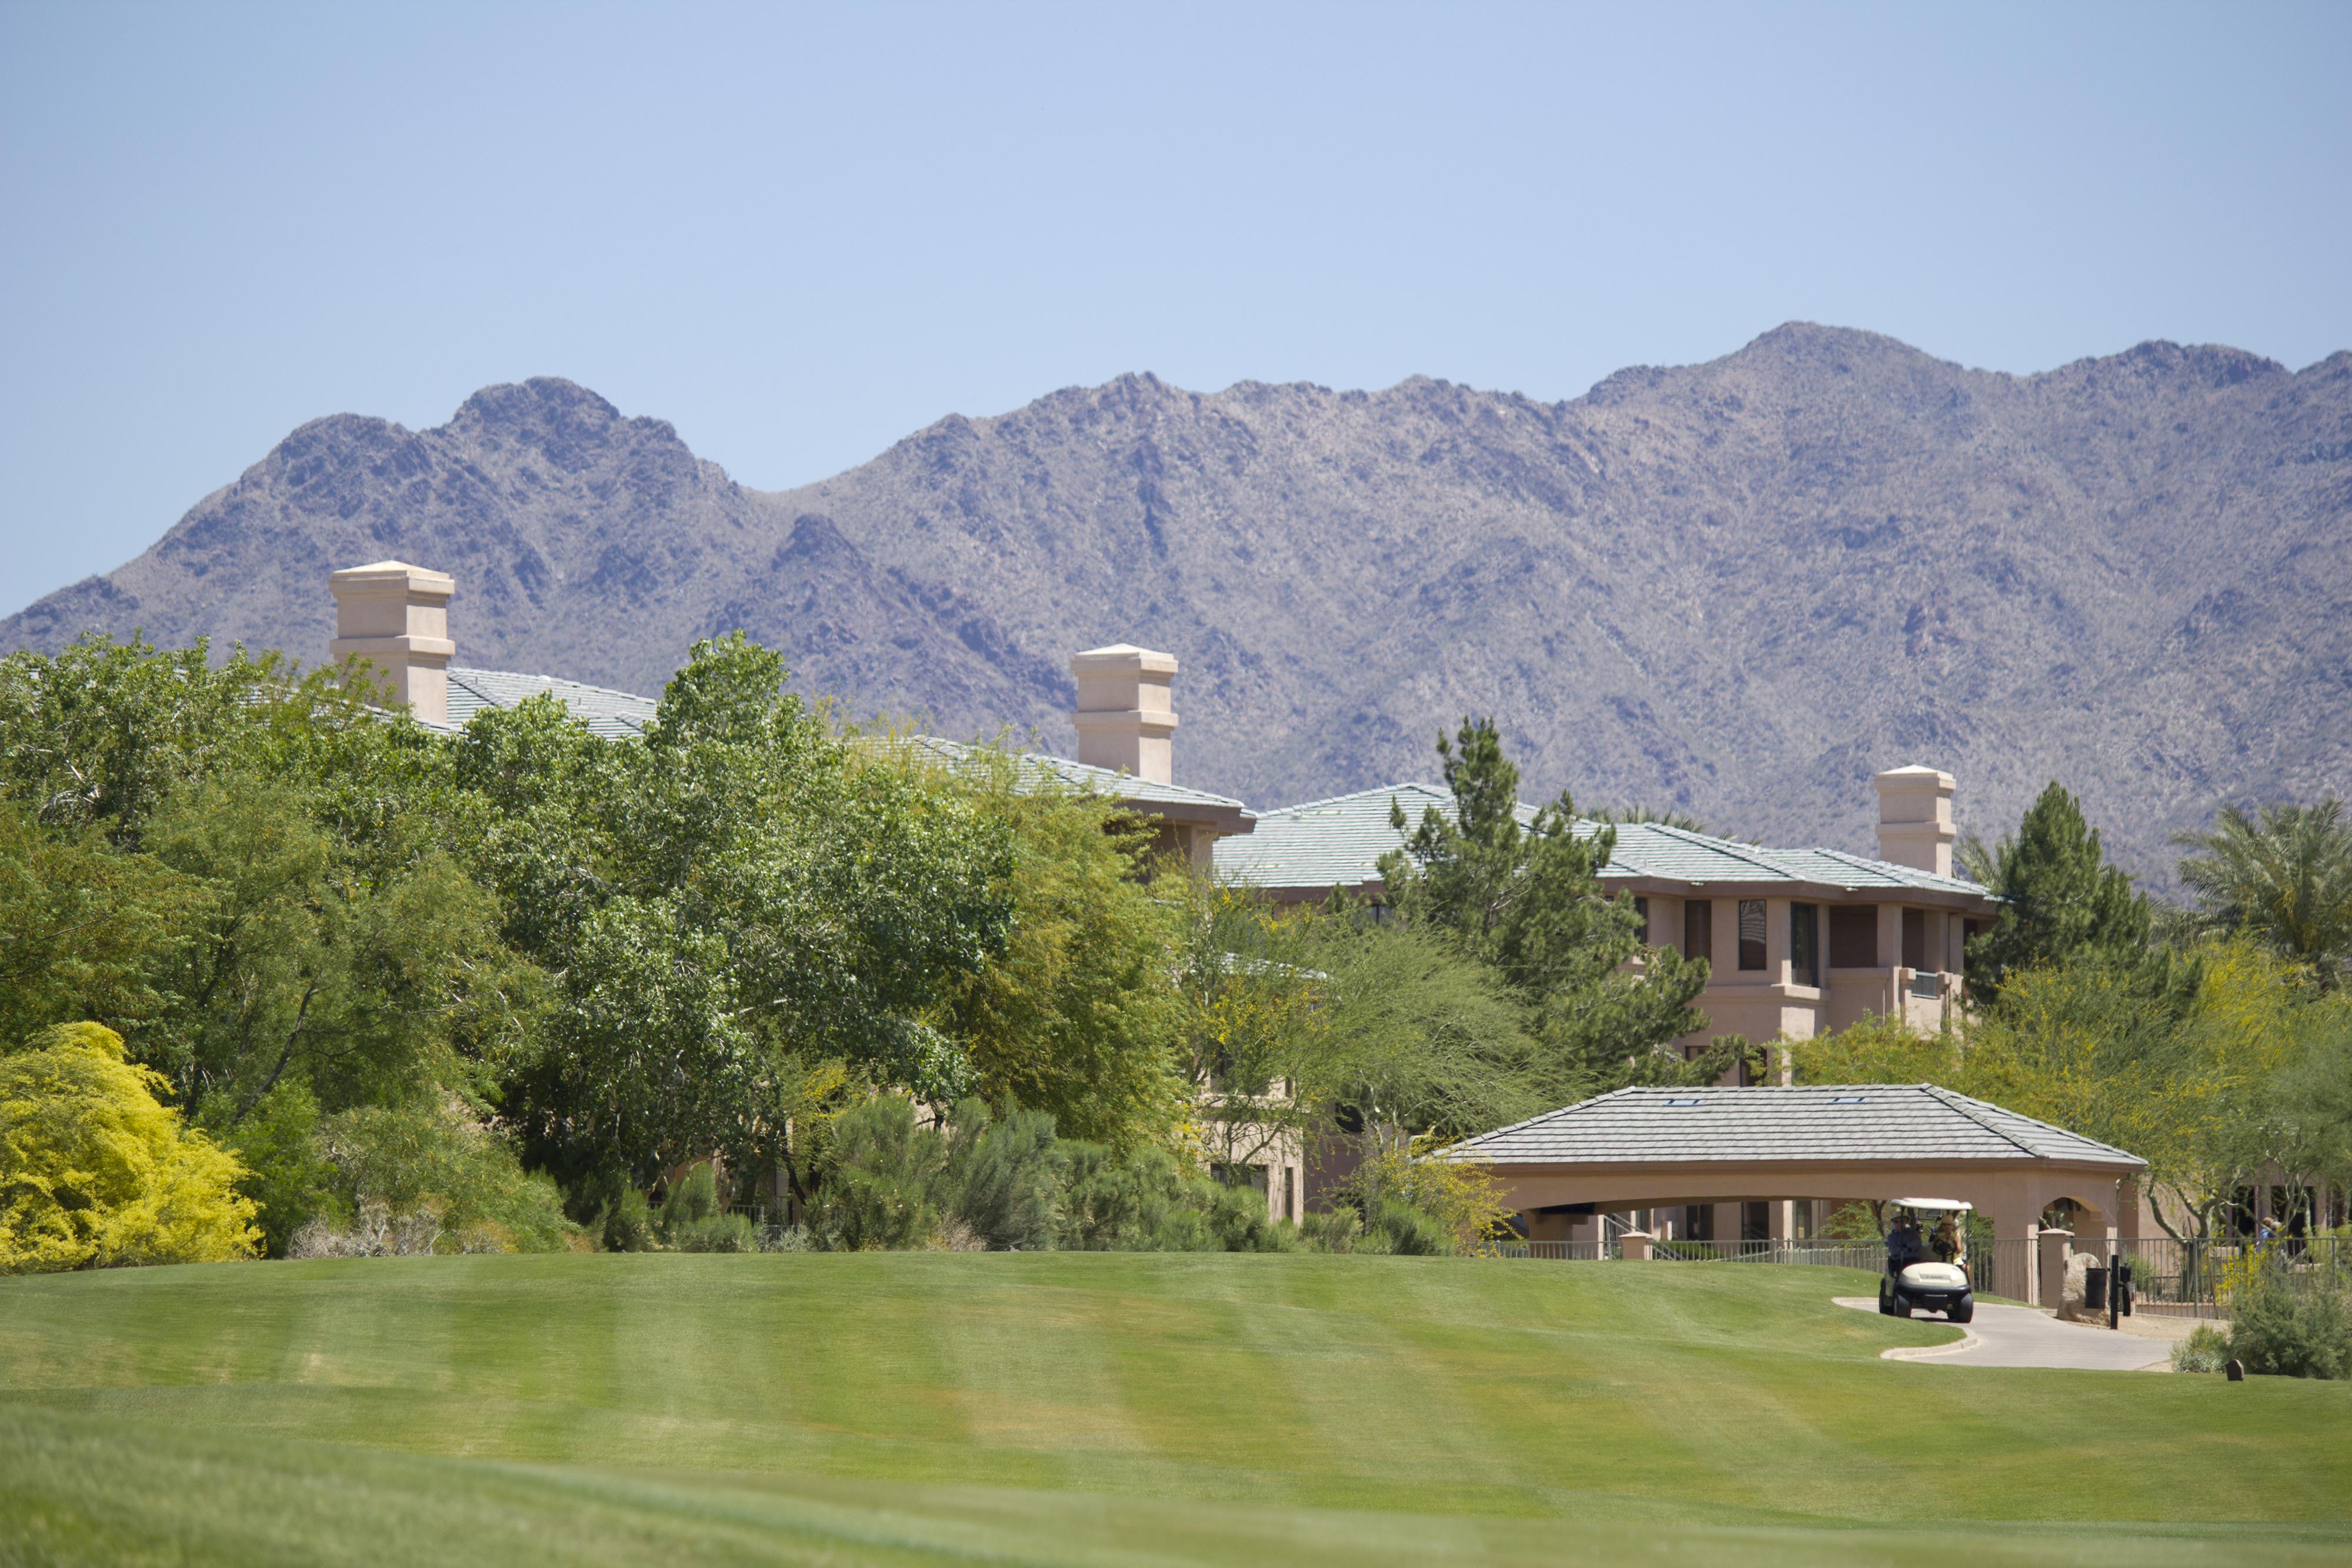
(1698, 929)
(1914, 940)
(1805, 944)
(1854, 937)
(1751, 933)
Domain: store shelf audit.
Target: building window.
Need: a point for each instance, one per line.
(1805, 944)
(1854, 937)
(1698, 1221)
(1642, 917)
(1751, 933)
(1250, 1176)
(1698, 929)
(1914, 940)
(1756, 1221)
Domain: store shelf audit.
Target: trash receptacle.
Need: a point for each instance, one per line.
(2094, 1290)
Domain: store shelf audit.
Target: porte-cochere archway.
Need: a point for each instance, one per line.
(1651, 1149)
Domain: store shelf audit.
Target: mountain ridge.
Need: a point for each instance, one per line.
(1733, 588)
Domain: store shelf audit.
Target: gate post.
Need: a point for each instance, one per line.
(2053, 1255)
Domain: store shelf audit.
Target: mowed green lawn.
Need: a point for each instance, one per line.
(911, 1407)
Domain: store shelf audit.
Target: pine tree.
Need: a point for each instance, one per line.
(1527, 899)
(2063, 901)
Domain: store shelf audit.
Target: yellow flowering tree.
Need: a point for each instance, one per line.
(1462, 1197)
(96, 1172)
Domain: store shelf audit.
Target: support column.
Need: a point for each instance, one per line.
(2051, 1255)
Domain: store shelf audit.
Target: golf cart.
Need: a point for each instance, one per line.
(1926, 1259)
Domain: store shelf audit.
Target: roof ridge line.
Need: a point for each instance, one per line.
(2064, 1132)
(1968, 1108)
(1352, 795)
(1850, 856)
(566, 680)
(1546, 1115)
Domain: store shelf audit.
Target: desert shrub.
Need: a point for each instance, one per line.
(95, 1171)
(2207, 1348)
(1005, 1176)
(719, 1233)
(1415, 1205)
(888, 1177)
(1393, 1224)
(1237, 1221)
(1118, 1204)
(2289, 1333)
(614, 1215)
(692, 1199)
(287, 1173)
(1341, 1231)
(375, 1231)
(692, 1219)
(437, 1160)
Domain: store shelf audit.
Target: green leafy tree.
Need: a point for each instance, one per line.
(85, 930)
(367, 978)
(2061, 897)
(2284, 876)
(1079, 1017)
(1526, 900)
(104, 734)
(727, 906)
(1254, 1031)
(1421, 1037)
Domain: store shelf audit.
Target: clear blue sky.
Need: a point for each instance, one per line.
(800, 234)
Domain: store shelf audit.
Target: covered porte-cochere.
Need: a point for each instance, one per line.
(1655, 1153)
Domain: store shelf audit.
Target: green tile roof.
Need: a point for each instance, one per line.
(1085, 776)
(1808, 1123)
(1339, 842)
(614, 715)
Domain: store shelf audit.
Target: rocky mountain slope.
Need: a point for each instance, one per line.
(1733, 588)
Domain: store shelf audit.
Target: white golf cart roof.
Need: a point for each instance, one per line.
(1933, 1205)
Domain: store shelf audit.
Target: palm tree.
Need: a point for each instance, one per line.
(2285, 876)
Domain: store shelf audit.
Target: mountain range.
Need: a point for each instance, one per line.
(1732, 589)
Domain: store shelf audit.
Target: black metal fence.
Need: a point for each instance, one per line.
(2197, 1279)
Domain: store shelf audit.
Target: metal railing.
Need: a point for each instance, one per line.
(2182, 1279)
(1818, 1254)
(2197, 1278)
(1562, 1252)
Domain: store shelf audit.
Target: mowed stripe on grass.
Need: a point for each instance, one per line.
(1707, 1394)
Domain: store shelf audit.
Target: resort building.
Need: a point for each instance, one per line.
(1800, 942)
(1730, 1163)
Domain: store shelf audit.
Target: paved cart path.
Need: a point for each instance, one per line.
(2020, 1336)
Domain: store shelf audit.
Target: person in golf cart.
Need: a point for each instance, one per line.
(1913, 1280)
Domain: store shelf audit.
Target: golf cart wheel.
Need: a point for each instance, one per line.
(1885, 1300)
(1901, 1308)
(1962, 1310)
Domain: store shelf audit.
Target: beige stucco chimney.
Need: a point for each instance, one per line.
(1125, 716)
(396, 616)
(1915, 817)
